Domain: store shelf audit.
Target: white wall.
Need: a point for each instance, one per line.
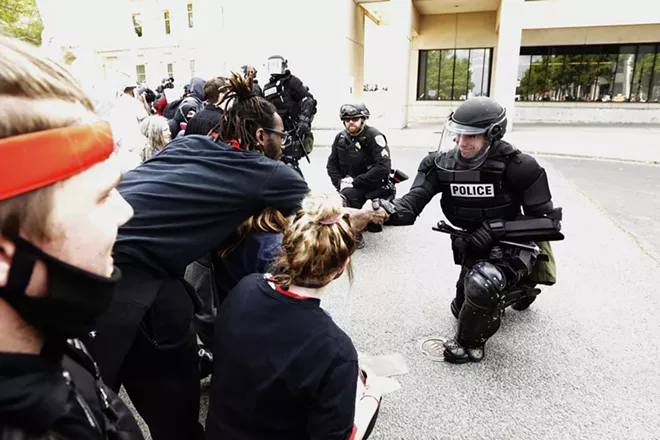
(580, 13)
(588, 113)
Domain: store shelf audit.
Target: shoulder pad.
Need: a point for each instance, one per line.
(505, 149)
(428, 163)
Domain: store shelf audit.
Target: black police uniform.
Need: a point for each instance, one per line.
(187, 200)
(507, 184)
(365, 158)
(59, 395)
(295, 105)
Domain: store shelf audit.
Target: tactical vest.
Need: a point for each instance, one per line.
(353, 159)
(277, 93)
(471, 197)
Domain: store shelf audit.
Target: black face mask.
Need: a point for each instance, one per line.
(75, 299)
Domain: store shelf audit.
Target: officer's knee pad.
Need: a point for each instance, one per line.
(484, 284)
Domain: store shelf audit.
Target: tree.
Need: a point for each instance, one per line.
(20, 19)
(447, 76)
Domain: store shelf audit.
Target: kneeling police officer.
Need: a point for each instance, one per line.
(486, 186)
(359, 163)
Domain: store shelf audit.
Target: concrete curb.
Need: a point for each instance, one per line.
(538, 153)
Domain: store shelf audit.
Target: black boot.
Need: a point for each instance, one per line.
(455, 353)
(523, 303)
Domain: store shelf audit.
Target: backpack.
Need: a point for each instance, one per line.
(170, 109)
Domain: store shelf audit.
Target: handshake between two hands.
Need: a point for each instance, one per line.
(360, 218)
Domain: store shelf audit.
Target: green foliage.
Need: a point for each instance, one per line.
(561, 75)
(20, 19)
(447, 74)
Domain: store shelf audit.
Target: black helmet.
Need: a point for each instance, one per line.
(484, 113)
(354, 110)
(478, 123)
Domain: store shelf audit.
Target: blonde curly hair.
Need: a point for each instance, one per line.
(318, 245)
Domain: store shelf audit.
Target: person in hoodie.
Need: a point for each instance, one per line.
(59, 217)
(204, 121)
(191, 104)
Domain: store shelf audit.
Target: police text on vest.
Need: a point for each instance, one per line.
(473, 190)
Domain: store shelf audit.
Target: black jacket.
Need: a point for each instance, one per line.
(59, 398)
(523, 187)
(365, 158)
(192, 195)
(287, 93)
(203, 122)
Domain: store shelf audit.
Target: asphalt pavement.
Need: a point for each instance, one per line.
(580, 363)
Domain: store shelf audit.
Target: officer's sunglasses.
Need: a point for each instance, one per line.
(285, 136)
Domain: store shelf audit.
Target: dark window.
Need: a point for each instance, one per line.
(141, 73)
(137, 24)
(453, 74)
(168, 28)
(190, 15)
(617, 73)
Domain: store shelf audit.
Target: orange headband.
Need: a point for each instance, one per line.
(34, 160)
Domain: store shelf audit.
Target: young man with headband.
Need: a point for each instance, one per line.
(59, 214)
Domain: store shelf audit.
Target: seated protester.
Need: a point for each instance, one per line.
(250, 249)
(282, 368)
(204, 121)
(59, 214)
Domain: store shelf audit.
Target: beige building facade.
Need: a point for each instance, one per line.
(553, 61)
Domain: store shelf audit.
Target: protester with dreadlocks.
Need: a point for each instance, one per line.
(187, 200)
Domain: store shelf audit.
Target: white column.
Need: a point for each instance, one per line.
(505, 71)
(401, 21)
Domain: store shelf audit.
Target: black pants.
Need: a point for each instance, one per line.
(356, 198)
(160, 367)
(460, 287)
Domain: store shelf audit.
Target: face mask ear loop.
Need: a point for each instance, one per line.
(22, 266)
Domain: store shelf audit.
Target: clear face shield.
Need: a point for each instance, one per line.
(462, 148)
(275, 66)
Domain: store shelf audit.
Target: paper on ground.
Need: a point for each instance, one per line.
(385, 365)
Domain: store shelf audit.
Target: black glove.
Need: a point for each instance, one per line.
(482, 238)
(385, 204)
(303, 128)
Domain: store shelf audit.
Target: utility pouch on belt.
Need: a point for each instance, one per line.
(545, 270)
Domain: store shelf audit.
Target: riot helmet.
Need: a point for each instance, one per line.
(469, 133)
(276, 65)
(358, 110)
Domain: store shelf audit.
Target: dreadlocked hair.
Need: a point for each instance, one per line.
(244, 112)
(269, 220)
(317, 245)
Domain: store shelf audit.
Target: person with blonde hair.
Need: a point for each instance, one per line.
(59, 215)
(282, 368)
(157, 134)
